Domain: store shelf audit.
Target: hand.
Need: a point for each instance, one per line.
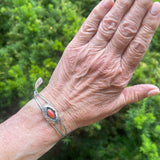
(90, 79)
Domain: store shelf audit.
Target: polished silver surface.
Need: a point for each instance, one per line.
(45, 107)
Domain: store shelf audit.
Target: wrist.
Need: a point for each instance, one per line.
(33, 112)
(62, 106)
(34, 130)
(27, 135)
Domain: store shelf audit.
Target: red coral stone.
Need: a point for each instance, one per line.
(50, 113)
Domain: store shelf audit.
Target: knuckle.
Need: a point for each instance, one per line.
(100, 10)
(136, 96)
(88, 27)
(121, 79)
(108, 26)
(149, 28)
(119, 84)
(100, 66)
(144, 3)
(123, 4)
(128, 29)
(96, 13)
(105, 66)
(104, 6)
(138, 47)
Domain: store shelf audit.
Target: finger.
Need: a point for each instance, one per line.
(90, 26)
(136, 93)
(110, 22)
(140, 43)
(129, 26)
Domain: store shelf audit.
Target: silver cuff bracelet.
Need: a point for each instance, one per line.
(49, 112)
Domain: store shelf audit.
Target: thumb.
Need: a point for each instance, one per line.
(137, 93)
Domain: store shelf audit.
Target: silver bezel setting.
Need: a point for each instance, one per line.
(51, 120)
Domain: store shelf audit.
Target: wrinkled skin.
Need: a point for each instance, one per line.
(90, 80)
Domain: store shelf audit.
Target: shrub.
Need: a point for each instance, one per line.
(33, 37)
(35, 34)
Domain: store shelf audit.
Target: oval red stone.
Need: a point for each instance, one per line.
(51, 113)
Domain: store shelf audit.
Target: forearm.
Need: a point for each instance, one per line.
(90, 81)
(27, 135)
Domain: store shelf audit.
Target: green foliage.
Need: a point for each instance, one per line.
(143, 130)
(34, 35)
(85, 6)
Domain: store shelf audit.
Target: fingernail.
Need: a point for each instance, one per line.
(155, 8)
(153, 92)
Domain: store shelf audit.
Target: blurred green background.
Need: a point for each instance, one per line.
(34, 34)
